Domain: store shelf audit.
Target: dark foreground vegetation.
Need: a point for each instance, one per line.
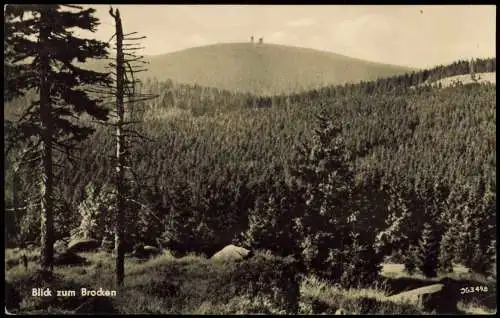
(196, 285)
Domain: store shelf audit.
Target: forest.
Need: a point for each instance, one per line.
(235, 154)
(367, 171)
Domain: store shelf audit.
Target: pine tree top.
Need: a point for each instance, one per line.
(22, 62)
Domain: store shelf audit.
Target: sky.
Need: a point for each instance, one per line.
(408, 35)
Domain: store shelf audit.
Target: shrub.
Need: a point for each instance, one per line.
(362, 264)
(266, 276)
(410, 259)
(271, 223)
(241, 305)
(97, 211)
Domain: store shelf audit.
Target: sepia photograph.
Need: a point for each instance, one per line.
(250, 159)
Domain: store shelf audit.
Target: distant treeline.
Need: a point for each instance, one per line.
(202, 100)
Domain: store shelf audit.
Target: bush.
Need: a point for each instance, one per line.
(194, 285)
(271, 222)
(266, 276)
(241, 305)
(96, 211)
(362, 266)
(410, 259)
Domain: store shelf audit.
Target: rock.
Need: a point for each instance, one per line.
(151, 249)
(12, 297)
(83, 246)
(341, 311)
(414, 296)
(438, 297)
(232, 253)
(146, 251)
(69, 258)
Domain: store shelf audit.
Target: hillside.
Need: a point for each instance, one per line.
(212, 157)
(263, 69)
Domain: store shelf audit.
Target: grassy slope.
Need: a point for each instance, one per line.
(263, 69)
(203, 288)
(466, 79)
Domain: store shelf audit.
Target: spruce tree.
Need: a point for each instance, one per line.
(326, 180)
(393, 238)
(492, 253)
(480, 260)
(40, 50)
(477, 227)
(428, 251)
(271, 222)
(447, 251)
(329, 236)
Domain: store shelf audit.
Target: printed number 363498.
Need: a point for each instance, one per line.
(468, 290)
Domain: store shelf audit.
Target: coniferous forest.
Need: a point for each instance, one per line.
(325, 187)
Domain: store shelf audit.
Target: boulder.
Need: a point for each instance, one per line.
(146, 251)
(438, 297)
(83, 246)
(12, 297)
(151, 249)
(232, 253)
(341, 311)
(69, 258)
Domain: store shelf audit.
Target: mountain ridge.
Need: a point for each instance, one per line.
(264, 69)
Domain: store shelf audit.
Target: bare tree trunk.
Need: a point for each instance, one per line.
(15, 202)
(120, 160)
(123, 83)
(46, 186)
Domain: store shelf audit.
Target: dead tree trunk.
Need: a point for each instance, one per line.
(124, 93)
(46, 185)
(120, 160)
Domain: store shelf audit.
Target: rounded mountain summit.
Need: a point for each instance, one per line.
(263, 69)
